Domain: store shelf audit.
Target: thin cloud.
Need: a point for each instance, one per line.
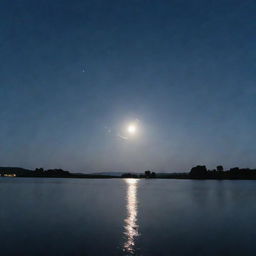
(122, 137)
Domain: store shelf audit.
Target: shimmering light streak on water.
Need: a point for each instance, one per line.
(130, 223)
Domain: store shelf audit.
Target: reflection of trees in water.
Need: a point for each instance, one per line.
(217, 193)
(130, 223)
(199, 192)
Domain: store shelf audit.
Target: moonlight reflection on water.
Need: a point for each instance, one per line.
(130, 223)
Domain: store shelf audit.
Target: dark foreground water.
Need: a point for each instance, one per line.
(127, 217)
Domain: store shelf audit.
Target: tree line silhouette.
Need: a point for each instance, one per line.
(197, 172)
(147, 174)
(201, 172)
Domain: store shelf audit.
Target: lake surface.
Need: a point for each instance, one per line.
(127, 217)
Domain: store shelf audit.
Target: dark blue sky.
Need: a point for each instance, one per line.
(72, 73)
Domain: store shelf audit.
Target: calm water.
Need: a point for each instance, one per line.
(127, 217)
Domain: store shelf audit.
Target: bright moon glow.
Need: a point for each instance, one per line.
(132, 128)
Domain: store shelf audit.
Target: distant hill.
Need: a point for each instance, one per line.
(16, 170)
(54, 173)
(21, 172)
(115, 174)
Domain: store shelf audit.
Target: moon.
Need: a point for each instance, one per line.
(132, 129)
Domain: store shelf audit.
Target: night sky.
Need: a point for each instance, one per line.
(74, 73)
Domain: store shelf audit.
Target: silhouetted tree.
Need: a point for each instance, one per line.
(220, 168)
(147, 174)
(234, 170)
(199, 171)
(153, 175)
(39, 171)
(129, 175)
